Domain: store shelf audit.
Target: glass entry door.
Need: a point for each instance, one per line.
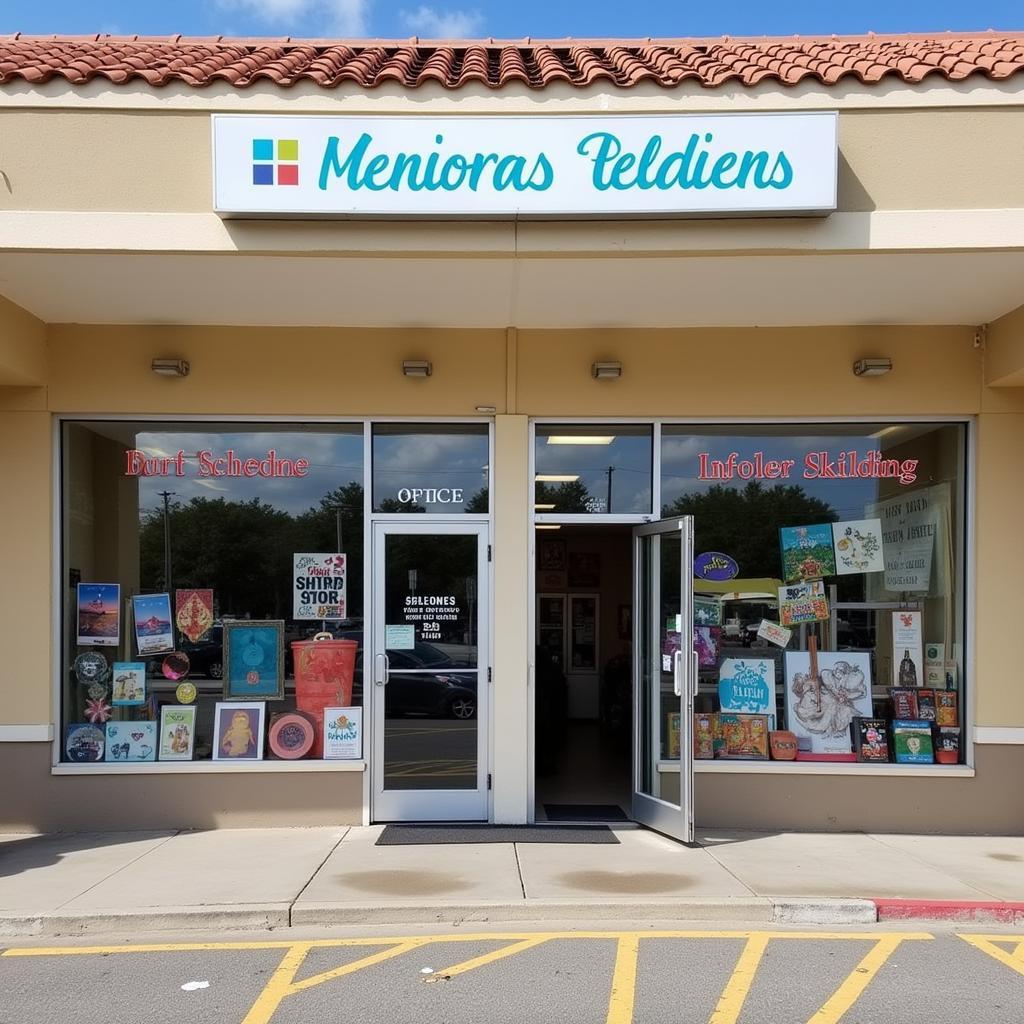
(429, 670)
(665, 671)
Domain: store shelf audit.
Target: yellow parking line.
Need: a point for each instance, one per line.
(734, 995)
(623, 993)
(856, 982)
(987, 944)
(490, 958)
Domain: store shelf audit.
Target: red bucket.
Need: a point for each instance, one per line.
(324, 670)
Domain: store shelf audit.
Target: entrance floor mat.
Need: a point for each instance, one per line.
(429, 833)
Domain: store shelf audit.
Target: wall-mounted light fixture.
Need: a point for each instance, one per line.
(417, 368)
(606, 371)
(872, 367)
(170, 367)
(487, 408)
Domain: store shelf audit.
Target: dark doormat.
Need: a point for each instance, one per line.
(427, 834)
(585, 812)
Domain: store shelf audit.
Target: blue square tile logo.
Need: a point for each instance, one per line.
(275, 161)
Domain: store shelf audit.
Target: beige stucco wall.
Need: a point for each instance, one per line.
(143, 161)
(23, 354)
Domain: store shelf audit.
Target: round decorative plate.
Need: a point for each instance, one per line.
(175, 666)
(291, 735)
(91, 667)
(185, 693)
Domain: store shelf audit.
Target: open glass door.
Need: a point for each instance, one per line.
(665, 674)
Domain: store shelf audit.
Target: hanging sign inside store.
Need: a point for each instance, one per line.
(713, 565)
(319, 584)
(564, 165)
(851, 465)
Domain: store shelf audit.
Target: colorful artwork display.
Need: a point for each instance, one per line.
(154, 631)
(807, 552)
(858, 546)
(803, 602)
(821, 708)
(177, 732)
(128, 684)
(99, 614)
(254, 659)
(748, 685)
(238, 731)
(193, 613)
(130, 741)
(743, 736)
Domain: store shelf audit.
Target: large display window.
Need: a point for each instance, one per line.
(829, 589)
(212, 599)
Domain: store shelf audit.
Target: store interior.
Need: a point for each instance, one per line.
(584, 676)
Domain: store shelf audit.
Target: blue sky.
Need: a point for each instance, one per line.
(502, 18)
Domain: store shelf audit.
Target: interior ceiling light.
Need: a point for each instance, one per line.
(581, 439)
(417, 368)
(170, 367)
(549, 526)
(872, 367)
(556, 478)
(606, 371)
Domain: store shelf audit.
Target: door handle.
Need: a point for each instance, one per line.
(677, 673)
(695, 663)
(381, 667)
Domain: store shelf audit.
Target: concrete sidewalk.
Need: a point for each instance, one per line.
(69, 884)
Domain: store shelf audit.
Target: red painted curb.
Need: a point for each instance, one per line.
(949, 910)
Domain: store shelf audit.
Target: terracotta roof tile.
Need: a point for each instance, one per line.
(624, 63)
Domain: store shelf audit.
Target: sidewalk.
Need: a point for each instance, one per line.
(121, 883)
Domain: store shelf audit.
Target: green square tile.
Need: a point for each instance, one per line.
(287, 149)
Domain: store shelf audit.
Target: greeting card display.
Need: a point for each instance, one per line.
(99, 614)
(254, 660)
(238, 731)
(154, 633)
(748, 684)
(826, 691)
(807, 552)
(177, 732)
(131, 741)
(858, 545)
(193, 613)
(128, 684)
(84, 743)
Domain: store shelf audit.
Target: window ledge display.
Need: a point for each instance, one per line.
(206, 767)
(819, 768)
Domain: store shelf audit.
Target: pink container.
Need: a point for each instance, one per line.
(324, 671)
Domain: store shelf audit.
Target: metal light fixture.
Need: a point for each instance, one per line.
(872, 367)
(417, 368)
(170, 367)
(556, 478)
(606, 371)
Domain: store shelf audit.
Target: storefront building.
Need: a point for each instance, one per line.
(580, 355)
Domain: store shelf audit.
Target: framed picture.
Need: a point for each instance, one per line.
(130, 741)
(154, 630)
(820, 709)
(238, 731)
(254, 659)
(128, 684)
(177, 732)
(551, 556)
(99, 614)
(584, 569)
(343, 733)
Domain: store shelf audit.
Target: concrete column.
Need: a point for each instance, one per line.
(511, 692)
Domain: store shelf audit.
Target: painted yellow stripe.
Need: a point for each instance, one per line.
(490, 958)
(987, 944)
(181, 947)
(623, 993)
(857, 981)
(734, 995)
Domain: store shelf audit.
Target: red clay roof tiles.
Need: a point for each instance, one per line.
(410, 63)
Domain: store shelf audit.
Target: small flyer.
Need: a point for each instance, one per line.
(99, 614)
(400, 637)
(935, 665)
(154, 633)
(907, 656)
(320, 586)
(774, 633)
(803, 602)
(343, 733)
(858, 545)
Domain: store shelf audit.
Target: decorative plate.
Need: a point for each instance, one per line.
(186, 693)
(175, 666)
(291, 735)
(91, 667)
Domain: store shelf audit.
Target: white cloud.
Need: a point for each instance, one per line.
(434, 24)
(329, 17)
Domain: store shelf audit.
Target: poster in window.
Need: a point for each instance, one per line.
(803, 602)
(821, 708)
(748, 685)
(238, 731)
(254, 659)
(128, 684)
(99, 614)
(807, 552)
(858, 545)
(319, 586)
(154, 631)
(177, 732)
(130, 741)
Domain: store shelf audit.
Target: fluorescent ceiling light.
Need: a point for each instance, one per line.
(543, 508)
(549, 526)
(581, 439)
(556, 478)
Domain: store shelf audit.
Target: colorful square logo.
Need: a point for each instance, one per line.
(275, 161)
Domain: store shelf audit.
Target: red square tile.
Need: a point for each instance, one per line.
(287, 174)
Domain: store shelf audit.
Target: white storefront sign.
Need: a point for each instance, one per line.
(540, 165)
